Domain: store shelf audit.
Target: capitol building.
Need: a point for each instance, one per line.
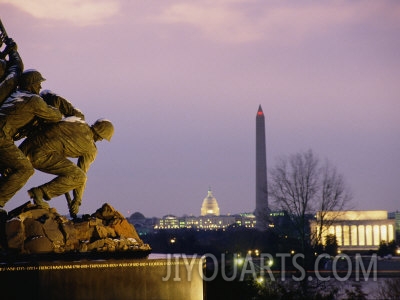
(209, 219)
(210, 205)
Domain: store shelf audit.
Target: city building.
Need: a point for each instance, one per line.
(246, 220)
(261, 211)
(168, 222)
(223, 222)
(355, 229)
(209, 219)
(210, 205)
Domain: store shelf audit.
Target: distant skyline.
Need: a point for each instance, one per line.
(182, 81)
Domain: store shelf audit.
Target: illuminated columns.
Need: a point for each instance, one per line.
(353, 235)
(359, 230)
(346, 235)
(391, 233)
(368, 235)
(339, 236)
(361, 235)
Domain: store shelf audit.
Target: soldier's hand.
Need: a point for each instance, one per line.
(11, 45)
(9, 41)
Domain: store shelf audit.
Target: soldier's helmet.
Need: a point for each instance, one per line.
(30, 76)
(104, 128)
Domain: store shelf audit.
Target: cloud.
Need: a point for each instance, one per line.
(239, 21)
(217, 20)
(78, 12)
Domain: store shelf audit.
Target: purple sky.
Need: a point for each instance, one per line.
(182, 81)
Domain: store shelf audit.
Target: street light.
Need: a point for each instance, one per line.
(239, 261)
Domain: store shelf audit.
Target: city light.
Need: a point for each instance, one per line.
(239, 261)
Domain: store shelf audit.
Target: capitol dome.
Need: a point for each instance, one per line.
(210, 205)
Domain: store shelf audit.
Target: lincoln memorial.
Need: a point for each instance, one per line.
(355, 229)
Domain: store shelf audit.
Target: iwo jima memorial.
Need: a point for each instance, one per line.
(45, 255)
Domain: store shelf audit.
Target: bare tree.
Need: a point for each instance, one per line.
(334, 196)
(300, 186)
(389, 289)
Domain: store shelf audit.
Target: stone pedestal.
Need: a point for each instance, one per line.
(158, 277)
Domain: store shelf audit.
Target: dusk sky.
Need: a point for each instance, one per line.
(182, 82)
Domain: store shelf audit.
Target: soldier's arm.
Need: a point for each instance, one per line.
(14, 70)
(63, 105)
(86, 160)
(44, 111)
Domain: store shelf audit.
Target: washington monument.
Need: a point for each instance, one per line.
(261, 211)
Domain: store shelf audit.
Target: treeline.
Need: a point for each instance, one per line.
(237, 240)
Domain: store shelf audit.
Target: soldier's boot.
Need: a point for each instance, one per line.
(37, 195)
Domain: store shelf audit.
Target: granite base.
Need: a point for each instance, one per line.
(157, 277)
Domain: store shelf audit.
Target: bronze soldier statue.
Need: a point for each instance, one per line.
(49, 150)
(26, 113)
(18, 110)
(37, 125)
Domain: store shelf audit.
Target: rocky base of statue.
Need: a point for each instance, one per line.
(30, 232)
